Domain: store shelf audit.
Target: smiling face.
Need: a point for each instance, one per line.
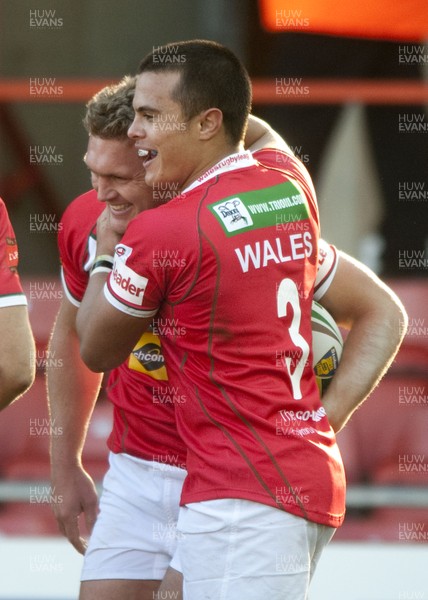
(117, 175)
(160, 128)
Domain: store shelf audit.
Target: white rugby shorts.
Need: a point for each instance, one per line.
(135, 534)
(237, 549)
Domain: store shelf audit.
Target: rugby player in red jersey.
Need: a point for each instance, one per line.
(134, 538)
(257, 508)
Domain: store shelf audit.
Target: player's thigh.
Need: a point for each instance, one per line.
(121, 589)
(171, 586)
(118, 589)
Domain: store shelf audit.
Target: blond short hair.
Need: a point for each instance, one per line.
(109, 112)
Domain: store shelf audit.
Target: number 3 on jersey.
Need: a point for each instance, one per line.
(288, 295)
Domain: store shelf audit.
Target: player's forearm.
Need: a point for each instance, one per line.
(90, 326)
(370, 347)
(97, 320)
(17, 354)
(95, 312)
(359, 301)
(13, 385)
(72, 393)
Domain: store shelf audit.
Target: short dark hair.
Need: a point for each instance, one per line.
(211, 77)
(109, 113)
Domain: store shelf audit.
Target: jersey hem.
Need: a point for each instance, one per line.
(309, 515)
(149, 462)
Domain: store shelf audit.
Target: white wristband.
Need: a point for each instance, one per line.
(100, 269)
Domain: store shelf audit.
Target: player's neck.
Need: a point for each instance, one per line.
(211, 158)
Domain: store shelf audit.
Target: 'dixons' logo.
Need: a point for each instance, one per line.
(233, 214)
(149, 356)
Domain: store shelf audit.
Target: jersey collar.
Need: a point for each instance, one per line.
(239, 160)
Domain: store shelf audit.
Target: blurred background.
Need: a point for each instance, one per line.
(346, 86)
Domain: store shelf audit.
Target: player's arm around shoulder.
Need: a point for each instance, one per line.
(361, 302)
(107, 335)
(17, 353)
(107, 328)
(261, 135)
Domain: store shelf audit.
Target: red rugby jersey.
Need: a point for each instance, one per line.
(144, 421)
(11, 293)
(231, 264)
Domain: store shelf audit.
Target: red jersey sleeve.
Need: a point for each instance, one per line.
(135, 286)
(77, 244)
(326, 269)
(151, 268)
(11, 293)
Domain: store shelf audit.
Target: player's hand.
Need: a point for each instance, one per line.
(107, 236)
(76, 494)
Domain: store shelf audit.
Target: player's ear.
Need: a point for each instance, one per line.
(210, 122)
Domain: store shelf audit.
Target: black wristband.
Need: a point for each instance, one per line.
(102, 264)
